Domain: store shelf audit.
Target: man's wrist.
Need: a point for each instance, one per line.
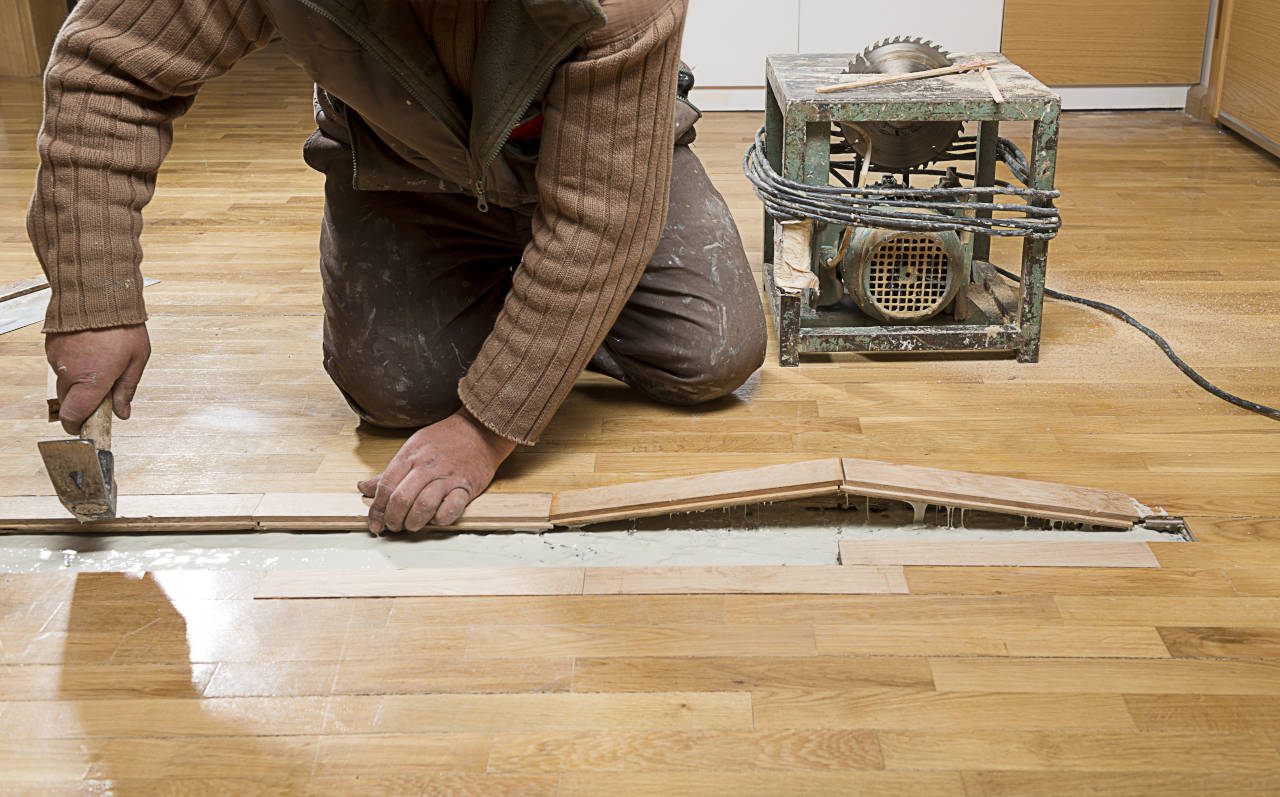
(492, 440)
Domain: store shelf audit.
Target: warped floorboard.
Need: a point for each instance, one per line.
(537, 511)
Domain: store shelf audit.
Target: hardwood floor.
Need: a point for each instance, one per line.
(977, 681)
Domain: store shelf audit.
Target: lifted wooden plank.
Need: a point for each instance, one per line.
(1067, 553)
(350, 512)
(422, 581)
(217, 512)
(693, 493)
(541, 511)
(990, 493)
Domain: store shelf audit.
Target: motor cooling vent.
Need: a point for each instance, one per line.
(909, 277)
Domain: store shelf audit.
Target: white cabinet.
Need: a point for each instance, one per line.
(837, 26)
(726, 41)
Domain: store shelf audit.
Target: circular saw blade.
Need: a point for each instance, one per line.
(898, 56)
(901, 145)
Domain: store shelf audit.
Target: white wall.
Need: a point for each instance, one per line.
(726, 42)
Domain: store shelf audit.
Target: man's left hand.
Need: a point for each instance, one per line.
(437, 472)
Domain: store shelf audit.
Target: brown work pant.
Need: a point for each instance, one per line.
(414, 281)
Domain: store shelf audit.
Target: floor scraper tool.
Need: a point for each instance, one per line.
(82, 469)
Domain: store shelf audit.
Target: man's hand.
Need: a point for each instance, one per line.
(95, 362)
(436, 473)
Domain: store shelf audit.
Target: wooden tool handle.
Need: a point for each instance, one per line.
(97, 427)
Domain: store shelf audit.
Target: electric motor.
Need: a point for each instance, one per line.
(902, 277)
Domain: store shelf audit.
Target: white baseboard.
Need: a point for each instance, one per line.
(749, 98)
(1121, 98)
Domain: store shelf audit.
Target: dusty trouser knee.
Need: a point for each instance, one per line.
(412, 285)
(694, 329)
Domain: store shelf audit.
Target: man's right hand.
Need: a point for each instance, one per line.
(95, 362)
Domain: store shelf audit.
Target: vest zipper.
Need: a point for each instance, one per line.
(482, 202)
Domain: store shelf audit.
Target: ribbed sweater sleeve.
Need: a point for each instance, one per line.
(604, 171)
(121, 71)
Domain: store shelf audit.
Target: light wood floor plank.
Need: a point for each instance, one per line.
(1255, 582)
(193, 757)
(683, 711)
(366, 786)
(1155, 676)
(925, 709)
(812, 579)
(1213, 555)
(762, 784)
(88, 682)
(990, 640)
(639, 640)
(392, 676)
(1222, 642)
(997, 554)
(421, 581)
(1235, 530)
(164, 717)
(1074, 750)
(617, 751)
(402, 754)
(1135, 610)
(1120, 784)
(1198, 712)
(726, 674)
(539, 610)
(271, 678)
(1069, 581)
(891, 609)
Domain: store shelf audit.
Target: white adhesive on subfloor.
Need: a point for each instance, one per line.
(774, 534)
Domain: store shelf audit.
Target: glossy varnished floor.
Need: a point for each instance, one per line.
(980, 681)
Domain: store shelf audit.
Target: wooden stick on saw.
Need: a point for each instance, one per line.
(991, 86)
(882, 79)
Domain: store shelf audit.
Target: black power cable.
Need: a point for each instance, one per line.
(889, 207)
(1252, 406)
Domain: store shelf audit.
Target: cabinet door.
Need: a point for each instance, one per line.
(1251, 71)
(1107, 42)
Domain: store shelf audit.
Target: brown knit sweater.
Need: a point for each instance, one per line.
(123, 70)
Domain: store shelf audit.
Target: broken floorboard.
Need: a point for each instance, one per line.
(536, 511)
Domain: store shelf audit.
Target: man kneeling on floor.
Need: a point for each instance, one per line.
(509, 199)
